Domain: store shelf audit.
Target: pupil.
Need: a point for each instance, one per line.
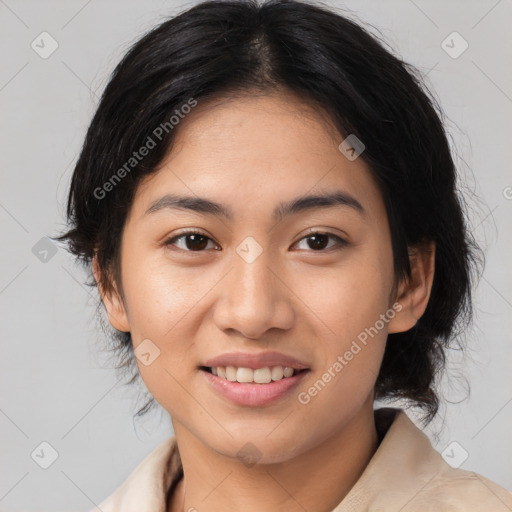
(317, 245)
(196, 239)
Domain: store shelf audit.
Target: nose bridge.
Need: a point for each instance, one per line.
(253, 299)
(253, 278)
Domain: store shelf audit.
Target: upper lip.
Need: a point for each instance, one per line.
(259, 360)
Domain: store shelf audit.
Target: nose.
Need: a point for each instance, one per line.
(254, 298)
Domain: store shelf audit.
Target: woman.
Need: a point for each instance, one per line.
(230, 141)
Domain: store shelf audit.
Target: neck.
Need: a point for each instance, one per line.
(318, 479)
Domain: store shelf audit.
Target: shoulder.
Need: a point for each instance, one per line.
(458, 489)
(146, 487)
(406, 473)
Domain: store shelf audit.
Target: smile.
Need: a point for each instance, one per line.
(263, 375)
(249, 392)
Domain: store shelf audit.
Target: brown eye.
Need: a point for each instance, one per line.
(193, 241)
(318, 241)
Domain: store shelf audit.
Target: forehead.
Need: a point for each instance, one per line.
(266, 123)
(253, 151)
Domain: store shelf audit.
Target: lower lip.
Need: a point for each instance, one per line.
(254, 395)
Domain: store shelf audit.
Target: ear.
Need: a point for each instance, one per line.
(413, 294)
(113, 304)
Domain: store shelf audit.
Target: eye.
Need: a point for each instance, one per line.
(197, 241)
(319, 240)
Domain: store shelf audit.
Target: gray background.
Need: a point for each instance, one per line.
(56, 386)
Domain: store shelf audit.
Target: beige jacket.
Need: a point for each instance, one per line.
(405, 474)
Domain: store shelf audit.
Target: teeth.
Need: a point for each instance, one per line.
(277, 373)
(231, 373)
(259, 376)
(262, 375)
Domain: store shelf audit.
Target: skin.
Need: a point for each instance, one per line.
(250, 153)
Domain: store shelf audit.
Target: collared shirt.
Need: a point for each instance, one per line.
(405, 474)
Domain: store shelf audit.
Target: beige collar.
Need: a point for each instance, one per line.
(405, 474)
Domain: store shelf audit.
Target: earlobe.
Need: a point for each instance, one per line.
(413, 295)
(113, 304)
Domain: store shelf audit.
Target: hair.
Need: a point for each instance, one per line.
(218, 49)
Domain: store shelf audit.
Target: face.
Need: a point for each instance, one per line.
(307, 284)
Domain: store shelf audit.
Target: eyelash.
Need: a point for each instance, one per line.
(341, 242)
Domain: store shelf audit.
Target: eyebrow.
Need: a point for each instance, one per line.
(283, 209)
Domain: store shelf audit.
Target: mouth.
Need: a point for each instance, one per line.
(242, 375)
(259, 387)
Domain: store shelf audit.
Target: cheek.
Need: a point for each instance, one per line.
(349, 298)
(159, 293)
(160, 300)
(349, 302)
(348, 354)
